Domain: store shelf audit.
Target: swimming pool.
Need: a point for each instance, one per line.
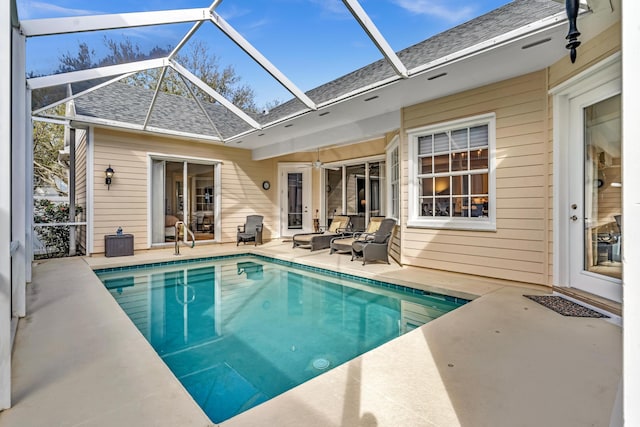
(240, 330)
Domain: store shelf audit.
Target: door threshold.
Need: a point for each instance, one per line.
(612, 307)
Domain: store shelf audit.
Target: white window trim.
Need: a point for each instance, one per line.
(457, 223)
(390, 148)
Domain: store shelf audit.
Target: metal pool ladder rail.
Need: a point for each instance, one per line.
(177, 239)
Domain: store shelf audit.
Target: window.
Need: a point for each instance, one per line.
(393, 162)
(452, 181)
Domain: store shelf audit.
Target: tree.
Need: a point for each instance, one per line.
(48, 140)
(197, 58)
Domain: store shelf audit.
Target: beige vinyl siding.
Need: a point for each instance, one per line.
(589, 53)
(125, 204)
(81, 186)
(517, 250)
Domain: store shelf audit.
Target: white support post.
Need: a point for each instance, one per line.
(28, 168)
(631, 210)
(18, 178)
(5, 205)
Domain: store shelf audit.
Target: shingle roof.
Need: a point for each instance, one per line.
(130, 104)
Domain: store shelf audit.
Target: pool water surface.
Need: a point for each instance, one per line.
(240, 330)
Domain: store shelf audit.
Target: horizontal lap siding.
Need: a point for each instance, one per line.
(518, 249)
(125, 204)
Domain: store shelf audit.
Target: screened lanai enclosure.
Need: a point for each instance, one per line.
(218, 75)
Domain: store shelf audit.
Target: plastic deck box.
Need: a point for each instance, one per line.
(118, 245)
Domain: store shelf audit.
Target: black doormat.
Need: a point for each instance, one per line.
(564, 306)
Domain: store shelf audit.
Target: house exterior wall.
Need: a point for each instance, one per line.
(126, 203)
(521, 248)
(517, 249)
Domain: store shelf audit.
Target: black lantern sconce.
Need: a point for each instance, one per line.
(108, 173)
(572, 7)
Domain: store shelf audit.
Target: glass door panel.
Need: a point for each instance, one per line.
(334, 193)
(376, 196)
(201, 200)
(603, 188)
(294, 201)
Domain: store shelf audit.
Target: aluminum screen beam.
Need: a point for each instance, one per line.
(215, 95)
(95, 73)
(261, 60)
(75, 24)
(77, 95)
(370, 28)
(192, 31)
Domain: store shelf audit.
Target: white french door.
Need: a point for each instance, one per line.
(595, 191)
(294, 188)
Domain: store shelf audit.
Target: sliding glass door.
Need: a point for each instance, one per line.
(357, 190)
(182, 191)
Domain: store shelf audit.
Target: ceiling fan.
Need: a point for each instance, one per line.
(317, 164)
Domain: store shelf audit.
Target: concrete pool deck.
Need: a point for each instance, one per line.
(501, 360)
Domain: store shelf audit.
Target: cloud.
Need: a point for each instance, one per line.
(32, 9)
(437, 9)
(332, 7)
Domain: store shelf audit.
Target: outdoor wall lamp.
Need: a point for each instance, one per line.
(108, 173)
(572, 7)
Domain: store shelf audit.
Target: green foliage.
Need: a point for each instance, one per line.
(48, 140)
(54, 238)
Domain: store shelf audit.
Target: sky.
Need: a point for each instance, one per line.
(311, 41)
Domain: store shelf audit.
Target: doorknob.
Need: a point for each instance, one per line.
(573, 218)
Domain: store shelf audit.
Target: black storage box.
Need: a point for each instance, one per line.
(118, 245)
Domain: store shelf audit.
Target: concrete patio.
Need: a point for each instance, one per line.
(501, 360)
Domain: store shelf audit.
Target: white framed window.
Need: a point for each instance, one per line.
(393, 172)
(452, 175)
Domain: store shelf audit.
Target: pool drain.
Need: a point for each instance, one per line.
(321, 363)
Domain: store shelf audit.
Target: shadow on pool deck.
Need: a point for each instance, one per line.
(501, 360)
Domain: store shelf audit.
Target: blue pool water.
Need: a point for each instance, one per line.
(240, 330)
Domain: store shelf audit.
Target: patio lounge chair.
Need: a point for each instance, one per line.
(340, 226)
(374, 247)
(251, 231)
(343, 243)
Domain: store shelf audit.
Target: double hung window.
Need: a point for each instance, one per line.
(452, 167)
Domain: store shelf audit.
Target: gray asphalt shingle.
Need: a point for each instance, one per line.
(129, 104)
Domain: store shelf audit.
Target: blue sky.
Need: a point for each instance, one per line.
(311, 41)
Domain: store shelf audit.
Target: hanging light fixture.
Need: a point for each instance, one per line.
(572, 7)
(108, 173)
